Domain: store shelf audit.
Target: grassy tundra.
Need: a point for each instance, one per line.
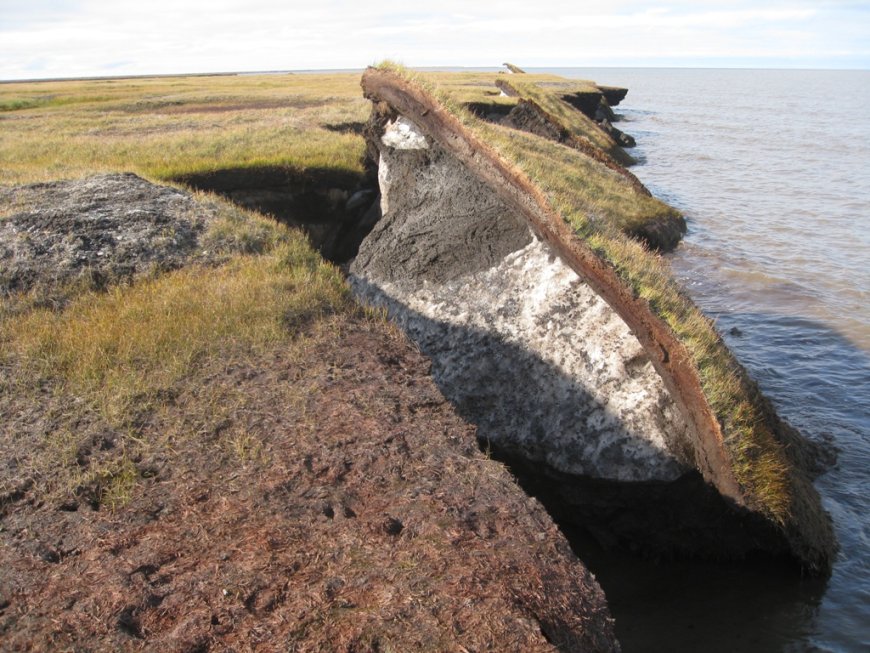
(163, 128)
(120, 354)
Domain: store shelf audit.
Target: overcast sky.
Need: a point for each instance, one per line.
(67, 38)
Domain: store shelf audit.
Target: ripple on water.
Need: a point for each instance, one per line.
(778, 249)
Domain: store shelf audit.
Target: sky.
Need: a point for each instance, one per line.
(74, 38)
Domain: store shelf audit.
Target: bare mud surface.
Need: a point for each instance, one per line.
(366, 520)
(106, 227)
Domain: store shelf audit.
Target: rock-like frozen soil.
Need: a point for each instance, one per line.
(519, 343)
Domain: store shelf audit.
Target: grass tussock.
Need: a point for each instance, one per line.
(600, 206)
(11, 203)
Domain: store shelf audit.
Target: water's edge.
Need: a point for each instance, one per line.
(777, 252)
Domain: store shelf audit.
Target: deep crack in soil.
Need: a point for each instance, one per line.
(335, 208)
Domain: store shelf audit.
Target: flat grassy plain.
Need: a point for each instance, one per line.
(162, 128)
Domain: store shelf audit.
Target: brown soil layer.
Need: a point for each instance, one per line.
(355, 515)
(581, 101)
(613, 94)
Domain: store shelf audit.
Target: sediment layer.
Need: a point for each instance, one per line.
(700, 438)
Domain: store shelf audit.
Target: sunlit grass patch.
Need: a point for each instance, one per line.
(106, 366)
(164, 128)
(121, 348)
(586, 192)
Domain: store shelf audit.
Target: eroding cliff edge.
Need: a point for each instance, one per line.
(525, 348)
(315, 492)
(567, 369)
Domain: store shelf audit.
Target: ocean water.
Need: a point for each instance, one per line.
(772, 170)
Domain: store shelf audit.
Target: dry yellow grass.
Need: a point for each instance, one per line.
(111, 361)
(123, 347)
(163, 128)
(600, 198)
(115, 356)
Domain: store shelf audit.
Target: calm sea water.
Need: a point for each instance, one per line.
(772, 170)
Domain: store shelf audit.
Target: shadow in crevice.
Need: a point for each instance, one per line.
(351, 127)
(754, 605)
(683, 568)
(535, 418)
(490, 111)
(336, 208)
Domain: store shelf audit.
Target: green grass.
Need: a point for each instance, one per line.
(576, 122)
(115, 360)
(16, 104)
(123, 347)
(165, 128)
(759, 462)
(600, 206)
(47, 100)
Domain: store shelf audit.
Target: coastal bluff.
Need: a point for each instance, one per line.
(547, 332)
(314, 491)
(356, 387)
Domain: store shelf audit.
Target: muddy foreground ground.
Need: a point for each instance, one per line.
(315, 495)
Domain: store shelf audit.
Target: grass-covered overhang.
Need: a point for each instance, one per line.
(584, 210)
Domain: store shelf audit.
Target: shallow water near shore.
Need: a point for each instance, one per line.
(770, 168)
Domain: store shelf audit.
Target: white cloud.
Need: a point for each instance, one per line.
(92, 37)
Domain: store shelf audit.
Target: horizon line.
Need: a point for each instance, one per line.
(290, 71)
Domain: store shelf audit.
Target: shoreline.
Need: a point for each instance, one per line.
(135, 620)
